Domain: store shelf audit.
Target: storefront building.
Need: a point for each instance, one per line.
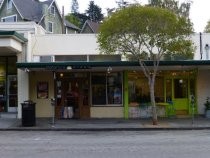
(70, 69)
(116, 89)
(12, 45)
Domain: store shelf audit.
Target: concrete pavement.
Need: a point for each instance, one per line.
(45, 124)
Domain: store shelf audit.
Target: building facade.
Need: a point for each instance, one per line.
(46, 14)
(70, 69)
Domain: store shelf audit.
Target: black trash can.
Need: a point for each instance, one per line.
(28, 114)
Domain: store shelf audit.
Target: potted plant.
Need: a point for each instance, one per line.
(207, 107)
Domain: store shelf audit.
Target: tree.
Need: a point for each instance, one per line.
(182, 10)
(74, 6)
(73, 19)
(137, 31)
(207, 27)
(94, 12)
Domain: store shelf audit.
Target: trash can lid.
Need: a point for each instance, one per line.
(28, 101)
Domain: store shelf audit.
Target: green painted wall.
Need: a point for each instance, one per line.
(125, 99)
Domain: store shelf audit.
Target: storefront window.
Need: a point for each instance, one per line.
(106, 88)
(99, 89)
(138, 88)
(12, 69)
(114, 88)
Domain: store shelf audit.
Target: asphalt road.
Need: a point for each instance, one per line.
(141, 144)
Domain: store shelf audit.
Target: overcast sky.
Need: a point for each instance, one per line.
(200, 9)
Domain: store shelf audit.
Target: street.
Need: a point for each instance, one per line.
(123, 144)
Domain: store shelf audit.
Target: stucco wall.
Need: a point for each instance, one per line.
(68, 44)
(43, 106)
(106, 112)
(203, 89)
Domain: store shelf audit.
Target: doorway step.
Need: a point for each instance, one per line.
(182, 114)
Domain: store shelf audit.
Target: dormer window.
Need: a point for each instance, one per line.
(52, 10)
(9, 4)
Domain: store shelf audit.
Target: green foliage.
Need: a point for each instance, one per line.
(176, 52)
(73, 19)
(94, 12)
(136, 30)
(207, 27)
(181, 10)
(77, 19)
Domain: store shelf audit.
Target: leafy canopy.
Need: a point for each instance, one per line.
(207, 27)
(139, 30)
(94, 12)
(74, 6)
(182, 9)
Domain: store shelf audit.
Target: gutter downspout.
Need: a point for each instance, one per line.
(201, 46)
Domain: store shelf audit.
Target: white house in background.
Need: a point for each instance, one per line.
(104, 86)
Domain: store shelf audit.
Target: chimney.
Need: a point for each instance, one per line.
(63, 21)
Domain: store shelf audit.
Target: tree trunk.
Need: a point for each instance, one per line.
(152, 98)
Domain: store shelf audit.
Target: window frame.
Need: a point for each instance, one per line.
(9, 4)
(52, 10)
(107, 104)
(50, 22)
(3, 18)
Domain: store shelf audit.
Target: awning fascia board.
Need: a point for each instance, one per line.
(88, 65)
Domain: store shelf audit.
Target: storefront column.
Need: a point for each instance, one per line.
(125, 95)
(23, 89)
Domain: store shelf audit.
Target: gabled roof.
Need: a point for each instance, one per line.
(68, 24)
(30, 9)
(94, 26)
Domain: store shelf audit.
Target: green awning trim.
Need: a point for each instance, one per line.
(13, 34)
(87, 65)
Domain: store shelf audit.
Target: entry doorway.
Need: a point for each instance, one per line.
(177, 92)
(12, 93)
(74, 92)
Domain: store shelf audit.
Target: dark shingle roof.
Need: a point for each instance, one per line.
(68, 24)
(29, 9)
(32, 10)
(93, 25)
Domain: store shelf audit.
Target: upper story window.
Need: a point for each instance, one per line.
(9, 4)
(12, 18)
(52, 10)
(50, 27)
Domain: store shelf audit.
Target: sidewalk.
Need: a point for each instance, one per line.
(45, 124)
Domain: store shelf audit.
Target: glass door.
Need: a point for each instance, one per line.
(12, 93)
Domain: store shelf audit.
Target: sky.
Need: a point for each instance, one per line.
(199, 13)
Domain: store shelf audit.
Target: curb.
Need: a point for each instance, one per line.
(105, 129)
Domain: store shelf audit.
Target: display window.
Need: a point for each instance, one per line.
(138, 88)
(106, 88)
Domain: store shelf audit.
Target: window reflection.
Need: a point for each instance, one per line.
(114, 88)
(99, 89)
(180, 88)
(106, 88)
